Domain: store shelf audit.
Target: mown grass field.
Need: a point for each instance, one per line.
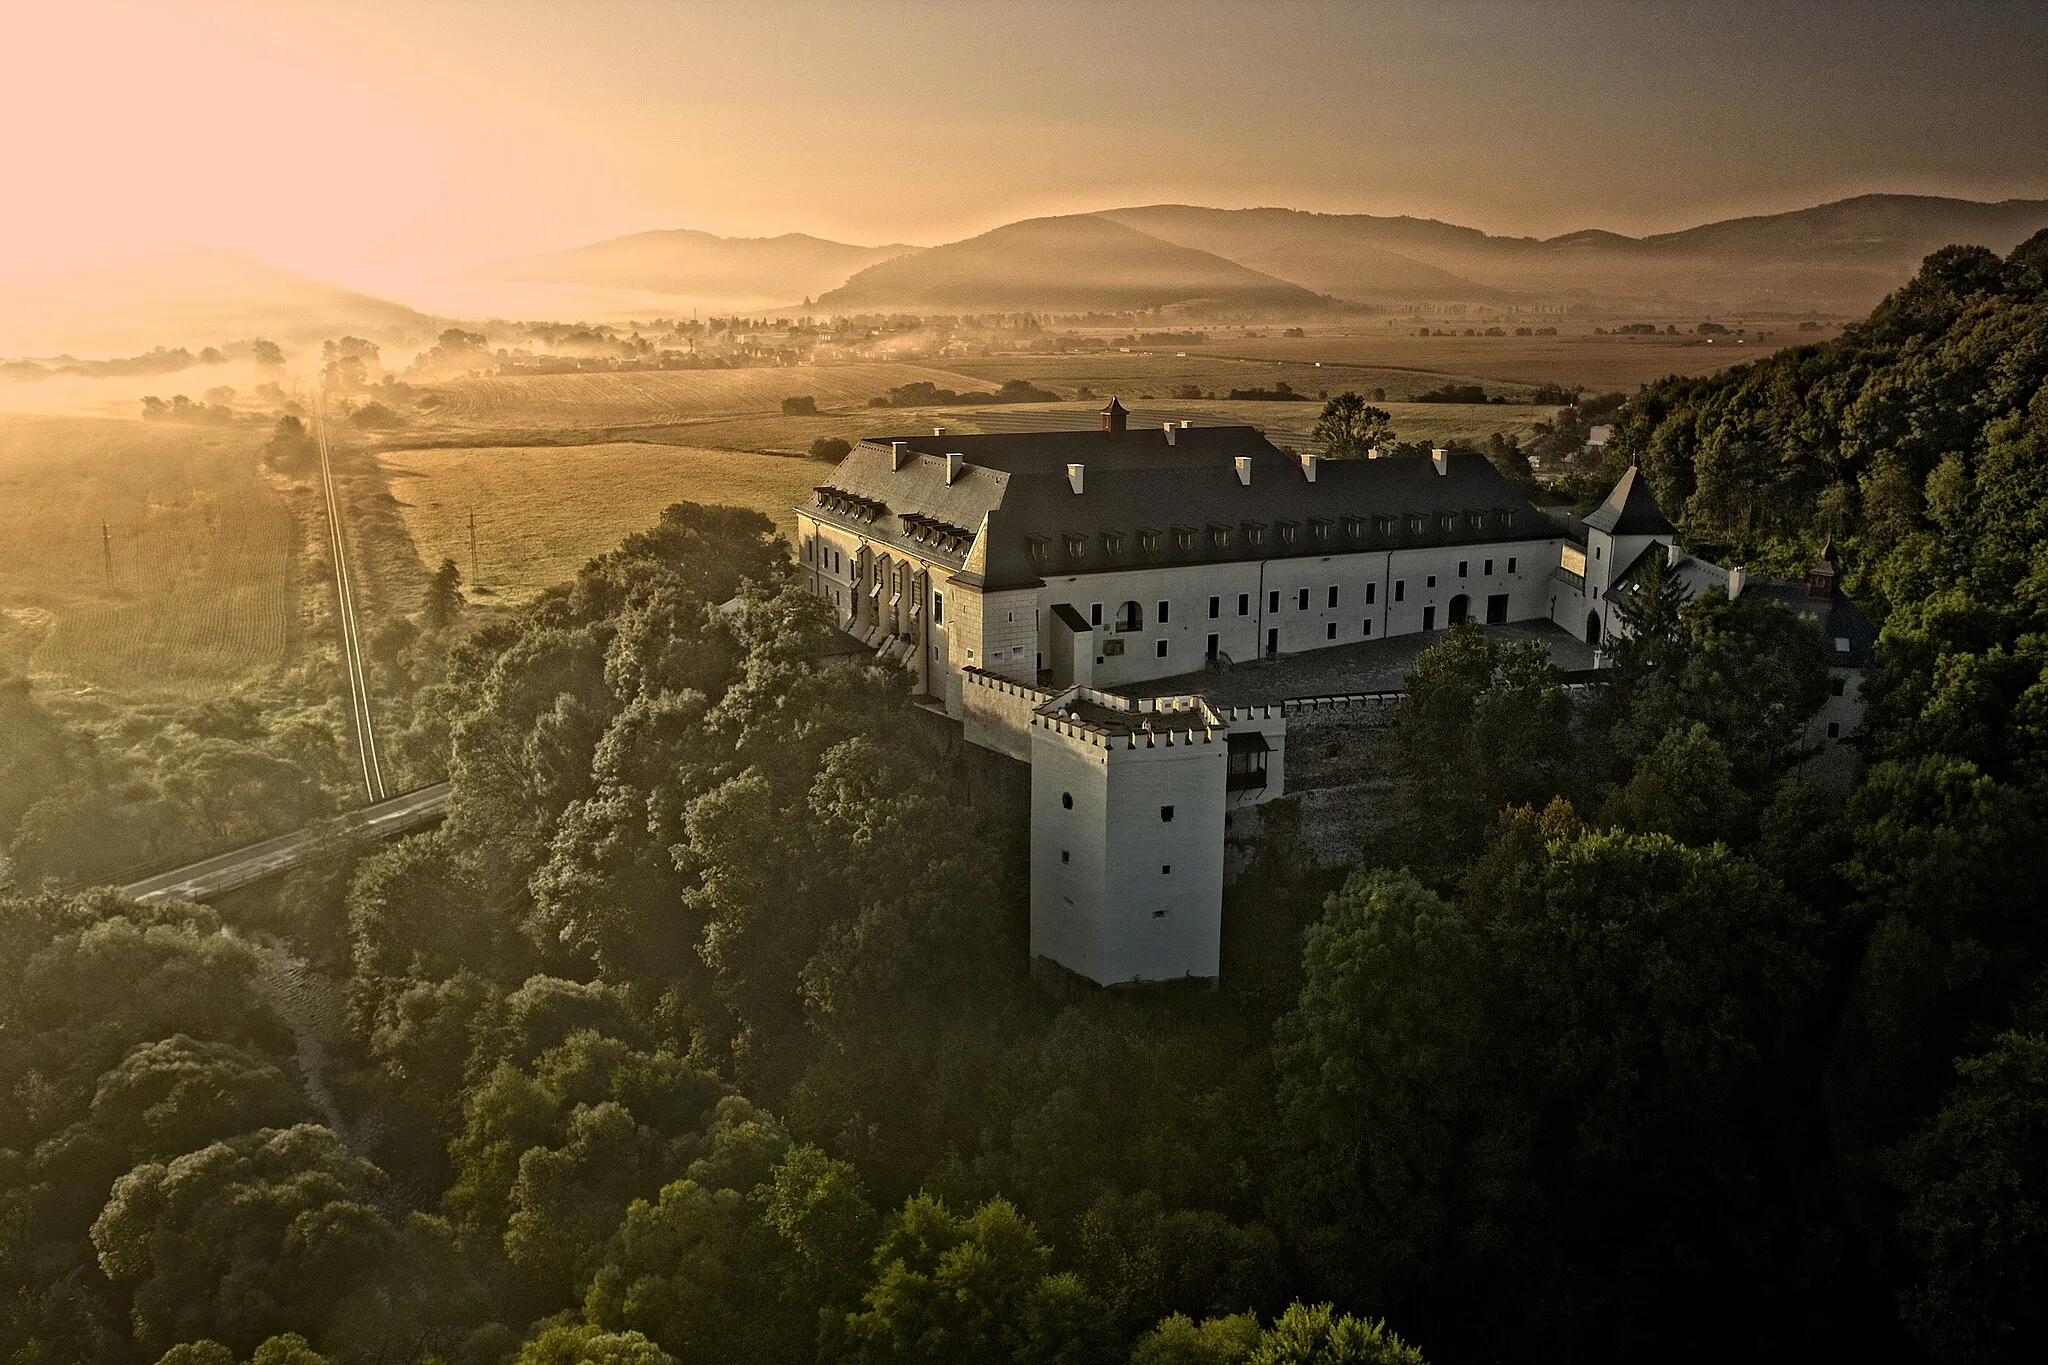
(202, 593)
(542, 511)
(1574, 357)
(657, 397)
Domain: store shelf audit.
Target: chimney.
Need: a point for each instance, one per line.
(1074, 472)
(1185, 424)
(1308, 466)
(1244, 470)
(899, 454)
(938, 431)
(1441, 458)
(1373, 454)
(1169, 432)
(955, 463)
(1115, 417)
(1672, 554)
(1737, 577)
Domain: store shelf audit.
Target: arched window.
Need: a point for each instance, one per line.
(1461, 607)
(1592, 627)
(1130, 616)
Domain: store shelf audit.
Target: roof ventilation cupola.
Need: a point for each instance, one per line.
(1115, 417)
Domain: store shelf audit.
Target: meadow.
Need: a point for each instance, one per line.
(190, 591)
(659, 397)
(1600, 364)
(541, 512)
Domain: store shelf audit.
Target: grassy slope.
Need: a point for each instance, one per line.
(543, 511)
(203, 591)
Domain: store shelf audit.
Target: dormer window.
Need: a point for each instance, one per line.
(1113, 544)
(1255, 534)
(1415, 522)
(1320, 527)
(1506, 517)
(1290, 531)
(1148, 541)
(1446, 523)
(1219, 535)
(1040, 548)
(1076, 545)
(1183, 538)
(1475, 521)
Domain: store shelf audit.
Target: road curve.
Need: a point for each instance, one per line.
(226, 872)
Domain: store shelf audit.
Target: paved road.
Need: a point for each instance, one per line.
(219, 875)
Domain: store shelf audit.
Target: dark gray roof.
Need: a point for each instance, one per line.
(1379, 665)
(1147, 502)
(1631, 510)
(1836, 616)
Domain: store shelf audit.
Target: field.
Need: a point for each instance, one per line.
(201, 593)
(541, 512)
(659, 397)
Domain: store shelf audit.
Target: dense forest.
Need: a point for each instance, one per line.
(701, 1031)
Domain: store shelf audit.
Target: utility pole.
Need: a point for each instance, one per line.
(107, 552)
(472, 547)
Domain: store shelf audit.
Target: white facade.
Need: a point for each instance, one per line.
(1127, 846)
(1129, 797)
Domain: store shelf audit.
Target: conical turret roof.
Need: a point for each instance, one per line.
(1631, 510)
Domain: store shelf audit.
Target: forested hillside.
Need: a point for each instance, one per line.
(702, 1031)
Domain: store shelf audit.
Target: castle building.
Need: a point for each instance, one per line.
(1072, 598)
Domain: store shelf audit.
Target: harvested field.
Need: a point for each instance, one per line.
(201, 593)
(541, 512)
(656, 397)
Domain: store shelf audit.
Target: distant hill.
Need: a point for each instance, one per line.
(1068, 264)
(1841, 257)
(699, 265)
(191, 297)
(1354, 256)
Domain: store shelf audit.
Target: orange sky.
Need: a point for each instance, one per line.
(378, 142)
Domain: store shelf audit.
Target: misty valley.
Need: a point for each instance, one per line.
(1150, 785)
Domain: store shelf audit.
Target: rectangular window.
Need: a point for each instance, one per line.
(1244, 604)
(1272, 643)
(1371, 590)
(1429, 618)
(1214, 640)
(1400, 590)
(1215, 607)
(1461, 567)
(1432, 581)
(1368, 628)
(1162, 613)
(938, 608)
(1333, 595)
(1166, 813)
(1834, 729)
(1837, 686)
(1273, 600)
(1095, 614)
(1112, 647)
(1162, 649)
(1330, 631)
(1489, 568)
(1301, 600)
(1511, 563)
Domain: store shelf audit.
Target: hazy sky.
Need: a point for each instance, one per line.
(375, 141)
